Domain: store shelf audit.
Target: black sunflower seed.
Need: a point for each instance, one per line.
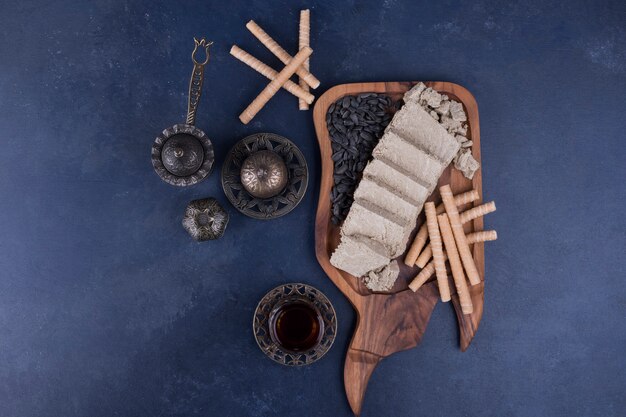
(355, 124)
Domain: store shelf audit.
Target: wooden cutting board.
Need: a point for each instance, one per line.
(394, 321)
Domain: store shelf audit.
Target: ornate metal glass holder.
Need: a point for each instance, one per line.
(183, 155)
(261, 324)
(283, 202)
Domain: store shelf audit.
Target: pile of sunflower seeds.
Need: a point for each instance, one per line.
(355, 124)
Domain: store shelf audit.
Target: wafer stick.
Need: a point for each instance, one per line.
(417, 245)
(466, 216)
(435, 239)
(459, 235)
(478, 211)
(429, 269)
(271, 89)
(268, 72)
(277, 50)
(455, 264)
(422, 235)
(304, 40)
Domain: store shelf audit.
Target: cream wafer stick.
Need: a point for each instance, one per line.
(424, 275)
(422, 234)
(429, 269)
(478, 211)
(483, 236)
(455, 264)
(417, 245)
(280, 53)
(425, 256)
(304, 40)
(459, 235)
(268, 72)
(271, 89)
(435, 240)
(466, 216)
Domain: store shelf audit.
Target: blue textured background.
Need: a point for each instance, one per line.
(108, 308)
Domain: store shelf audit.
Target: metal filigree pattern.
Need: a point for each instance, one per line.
(205, 219)
(195, 91)
(261, 330)
(197, 78)
(278, 205)
(196, 177)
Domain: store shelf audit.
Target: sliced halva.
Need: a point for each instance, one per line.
(417, 126)
(402, 184)
(414, 162)
(384, 279)
(357, 255)
(397, 207)
(364, 222)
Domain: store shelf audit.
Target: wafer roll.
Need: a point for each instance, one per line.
(429, 268)
(271, 89)
(459, 235)
(478, 211)
(417, 245)
(425, 256)
(304, 40)
(422, 234)
(435, 240)
(423, 276)
(280, 53)
(455, 264)
(269, 73)
(466, 216)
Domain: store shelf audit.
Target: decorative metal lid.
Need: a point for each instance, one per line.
(182, 155)
(205, 219)
(264, 174)
(279, 204)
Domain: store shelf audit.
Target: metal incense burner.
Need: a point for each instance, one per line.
(183, 155)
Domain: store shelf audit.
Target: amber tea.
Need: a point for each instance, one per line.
(296, 325)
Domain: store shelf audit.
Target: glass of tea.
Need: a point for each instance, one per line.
(296, 324)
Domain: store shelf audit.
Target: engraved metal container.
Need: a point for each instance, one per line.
(182, 155)
(264, 174)
(288, 195)
(205, 219)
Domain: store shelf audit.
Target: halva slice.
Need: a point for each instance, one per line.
(357, 255)
(384, 279)
(417, 126)
(395, 180)
(397, 208)
(362, 221)
(413, 161)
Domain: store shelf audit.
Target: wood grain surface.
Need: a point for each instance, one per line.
(393, 321)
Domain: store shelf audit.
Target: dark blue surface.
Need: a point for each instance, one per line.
(108, 308)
